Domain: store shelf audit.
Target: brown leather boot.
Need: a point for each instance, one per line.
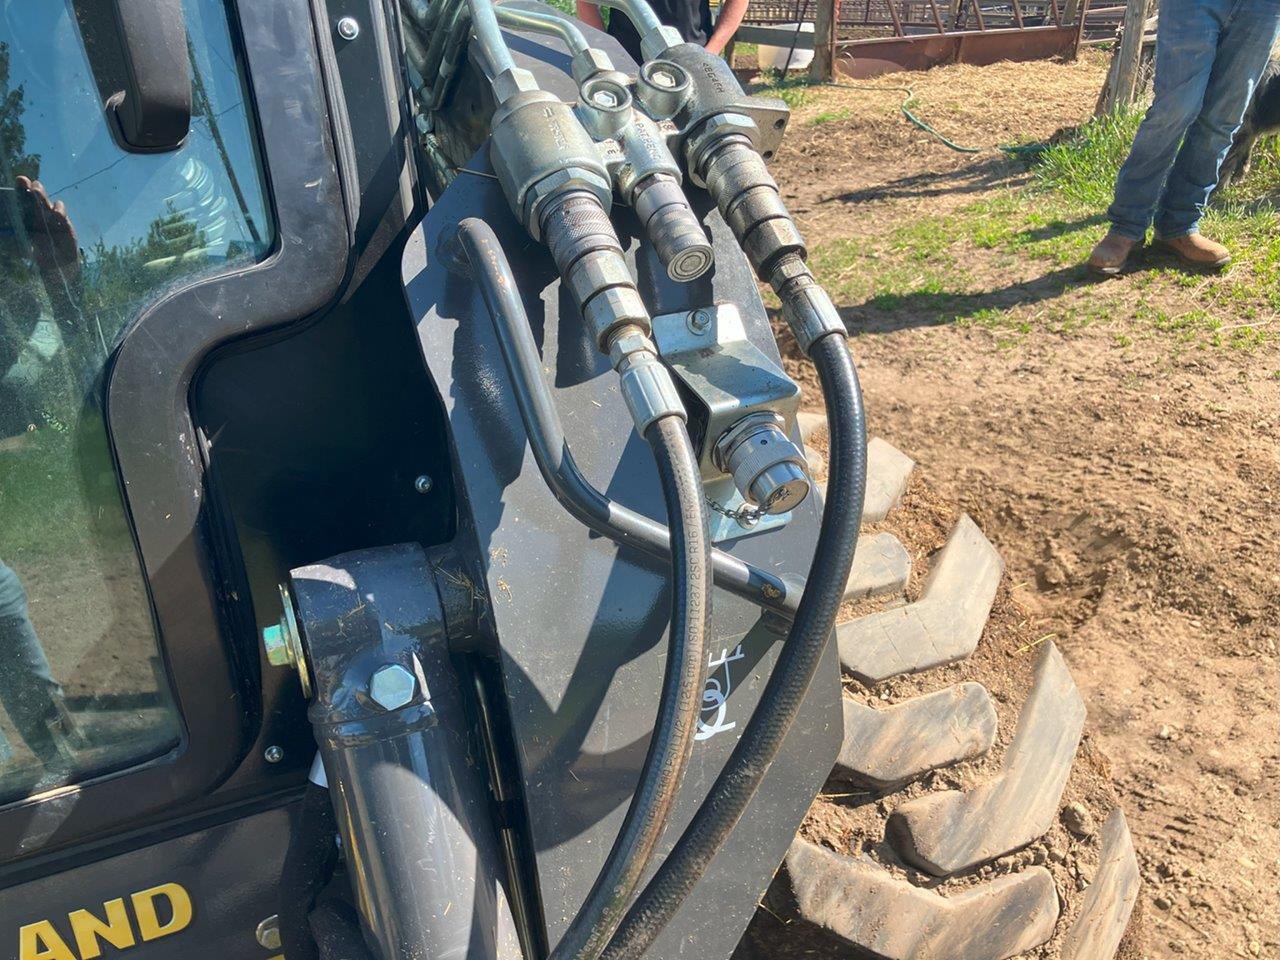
(1111, 253)
(1196, 252)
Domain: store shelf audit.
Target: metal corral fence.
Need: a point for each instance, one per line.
(871, 37)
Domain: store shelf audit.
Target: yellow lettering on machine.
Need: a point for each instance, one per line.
(144, 908)
(40, 941)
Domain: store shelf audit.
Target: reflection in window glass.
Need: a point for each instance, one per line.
(88, 235)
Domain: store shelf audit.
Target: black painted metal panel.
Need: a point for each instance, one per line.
(581, 623)
(228, 873)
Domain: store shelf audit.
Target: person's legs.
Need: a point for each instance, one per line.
(1186, 46)
(32, 698)
(1244, 48)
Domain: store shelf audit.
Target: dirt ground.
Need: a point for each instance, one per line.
(1130, 487)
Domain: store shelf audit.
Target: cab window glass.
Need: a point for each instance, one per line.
(89, 234)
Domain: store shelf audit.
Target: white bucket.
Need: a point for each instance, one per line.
(774, 58)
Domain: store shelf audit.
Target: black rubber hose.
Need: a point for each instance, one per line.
(785, 691)
(678, 705)
(490, 268)
(690, 546)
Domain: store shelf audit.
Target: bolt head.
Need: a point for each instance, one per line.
(273, 754)
(663, 87)
(423, 484)
(348, 28)
(392, 686)
(276, 644)
(268, 933)
(664, 78)
(700, 321)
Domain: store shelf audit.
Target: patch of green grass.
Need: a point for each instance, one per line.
(792, 88)
(1082, 170)
(831, 116)
(926, 266)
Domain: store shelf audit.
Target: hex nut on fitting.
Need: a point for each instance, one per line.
(627, 343)
(508, 83)
(610, 309)
(392, 686)
(597, 271)
(588, 63)
(657, 42)
(710, 133)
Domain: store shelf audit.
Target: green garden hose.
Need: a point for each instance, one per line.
(1015, 150)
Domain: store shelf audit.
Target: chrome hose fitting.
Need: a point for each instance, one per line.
(767, 468)
(749, 201)
(586, 249)
(672, 227)
(646, 174)
(647, 386)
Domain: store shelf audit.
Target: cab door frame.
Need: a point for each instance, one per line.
(157, 447)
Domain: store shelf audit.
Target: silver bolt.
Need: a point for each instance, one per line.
(604, 98)
(663, 78)
(273, 754)
(700, 321)
(392, 686)
(268, 933)
(423, 484)
(277, 645)
(348, 28)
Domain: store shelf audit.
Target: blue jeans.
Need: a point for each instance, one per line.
(1209, 56)
(27, 688)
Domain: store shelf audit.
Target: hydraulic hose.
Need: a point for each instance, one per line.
(785, 691)
(551, 451)
(672, 740)
(678, 706)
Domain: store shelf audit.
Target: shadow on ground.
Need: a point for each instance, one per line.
(892, 311)
(979, 177)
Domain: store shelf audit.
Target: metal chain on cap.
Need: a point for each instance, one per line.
(748, 515)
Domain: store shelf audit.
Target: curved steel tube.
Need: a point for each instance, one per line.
(554, 458)
(638, 12)
(493, 49)
(546, 23)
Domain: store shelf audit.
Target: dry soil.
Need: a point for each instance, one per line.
(1130, 487)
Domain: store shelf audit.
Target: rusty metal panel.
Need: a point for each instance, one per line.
(863, 59)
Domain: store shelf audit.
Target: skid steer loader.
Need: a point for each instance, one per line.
(408, 547)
